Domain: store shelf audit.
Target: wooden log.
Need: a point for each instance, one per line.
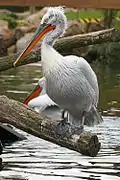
(65, 46)
(24, 118)
(8, 134)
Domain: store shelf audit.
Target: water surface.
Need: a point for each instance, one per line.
(35, 158)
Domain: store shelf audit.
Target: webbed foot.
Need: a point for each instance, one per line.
(65, 129)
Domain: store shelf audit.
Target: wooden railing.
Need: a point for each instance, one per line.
(109, 4)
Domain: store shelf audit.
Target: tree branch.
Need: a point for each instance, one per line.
(24, 118)
(65, 46)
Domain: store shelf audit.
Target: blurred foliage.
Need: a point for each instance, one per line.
(109, 15)
(109, 53)
(19, 8)
(84, 14)
(22, 22)
(77, 14)
(10, 18)
(117, 25)
(15, 8)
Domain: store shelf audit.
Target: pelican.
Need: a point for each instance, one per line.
(41, 102)
(70, 81)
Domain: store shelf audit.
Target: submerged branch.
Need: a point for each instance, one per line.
(22, 117)
(65, 46)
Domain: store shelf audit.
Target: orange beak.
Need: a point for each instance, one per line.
(40, 32)
(36, 92)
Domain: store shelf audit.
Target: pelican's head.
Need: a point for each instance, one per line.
(55, 16)
(53, 25)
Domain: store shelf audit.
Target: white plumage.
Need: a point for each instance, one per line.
(70, 81)
(43, 101)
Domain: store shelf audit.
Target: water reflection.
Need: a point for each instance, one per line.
(35, 159)
(109, 82)
(16, 83)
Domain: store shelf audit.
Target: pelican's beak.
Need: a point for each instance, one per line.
(40, 32)
(36, 92)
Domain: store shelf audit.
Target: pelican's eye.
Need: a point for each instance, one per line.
(46, 20)
(51, 16)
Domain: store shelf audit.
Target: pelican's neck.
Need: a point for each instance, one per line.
(49, 39)
(50, 58)
(53, 35)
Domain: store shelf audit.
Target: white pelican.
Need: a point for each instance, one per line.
(41, 102)
(70, 80)
(38, 99)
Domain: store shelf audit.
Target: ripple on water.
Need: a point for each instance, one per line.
(34, 158)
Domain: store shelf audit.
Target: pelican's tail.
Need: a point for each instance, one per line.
(93, 117)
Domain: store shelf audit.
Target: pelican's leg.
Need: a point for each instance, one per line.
(70, 125)
(78, 125)
(64, 127)
(83, 120)
(64, 118)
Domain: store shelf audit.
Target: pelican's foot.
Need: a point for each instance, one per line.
(64, 128)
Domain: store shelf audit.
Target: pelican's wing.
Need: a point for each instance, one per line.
(41, 102)
(88, 73)
(90, 76)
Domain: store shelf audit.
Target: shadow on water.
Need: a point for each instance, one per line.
(34, 158)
